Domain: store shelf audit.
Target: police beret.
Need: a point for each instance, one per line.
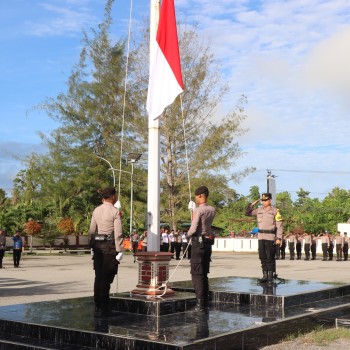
(107, 192)
(201, 190)
(266, 196)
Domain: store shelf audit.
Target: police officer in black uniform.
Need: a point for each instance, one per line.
(106, 245)
(202, 240)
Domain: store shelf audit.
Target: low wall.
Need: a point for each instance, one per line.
(74, 241)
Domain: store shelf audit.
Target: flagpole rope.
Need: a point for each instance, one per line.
(186, 152)
(124, 99)
(165, 284)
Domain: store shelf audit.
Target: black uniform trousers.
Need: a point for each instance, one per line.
(278, 251)
(313, 251)
(106, 267)
(267, 251)
(291, 250)
(17, 257)
(134, 247)
(346, 251)
(298, 249)
(339, 251)
(177, 250)
(283, 250)
(200, 263)
(2, 253)
(165, 247)
(330, 251)
(325, 250)
(307, 250)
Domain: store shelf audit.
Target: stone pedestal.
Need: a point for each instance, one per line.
(153, 273)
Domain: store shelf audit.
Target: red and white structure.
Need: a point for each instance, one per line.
(165, 84)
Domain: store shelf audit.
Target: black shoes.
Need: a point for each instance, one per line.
(264, 277)
(200, 307)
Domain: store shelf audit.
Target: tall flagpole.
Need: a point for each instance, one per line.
(165, 83)
(153, 196)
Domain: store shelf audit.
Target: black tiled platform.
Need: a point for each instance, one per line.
(240, 290)
(69, 324)
(153, 306)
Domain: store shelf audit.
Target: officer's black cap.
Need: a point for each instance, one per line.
(201, 190)
(266, 196)
(107, 192)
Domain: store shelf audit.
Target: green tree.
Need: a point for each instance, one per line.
(192, 126)
(90, 114)
(303, 196)
(254, 193)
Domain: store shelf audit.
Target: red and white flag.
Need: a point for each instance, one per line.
(165, 80)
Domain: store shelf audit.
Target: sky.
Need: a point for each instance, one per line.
(290, 58)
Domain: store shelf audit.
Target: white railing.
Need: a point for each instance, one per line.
(247, 245)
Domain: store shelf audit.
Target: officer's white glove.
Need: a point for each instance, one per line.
(192, 205)
(119, 256)
(92, 252)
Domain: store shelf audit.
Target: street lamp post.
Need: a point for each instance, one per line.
(132, 158)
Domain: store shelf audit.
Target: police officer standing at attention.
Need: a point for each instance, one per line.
(107, 246)
(307, 245)
(346, 246)
(199, 233)
(270, 233)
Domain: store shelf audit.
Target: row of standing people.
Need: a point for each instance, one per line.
(173, 242)
(328, 242)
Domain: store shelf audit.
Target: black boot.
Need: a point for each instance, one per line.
(98, 311)
(200, 306)
(106, 311)
(269, 276)
(264, 277)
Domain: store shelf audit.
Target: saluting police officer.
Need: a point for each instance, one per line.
(269, 234)
(200, 232)
(107, 246)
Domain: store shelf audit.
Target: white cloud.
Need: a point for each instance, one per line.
(67, 17)
(327, 66)
(290, 58)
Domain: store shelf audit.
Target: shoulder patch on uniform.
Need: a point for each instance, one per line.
(278, 216)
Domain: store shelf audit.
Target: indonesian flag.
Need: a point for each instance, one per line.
(165, 80)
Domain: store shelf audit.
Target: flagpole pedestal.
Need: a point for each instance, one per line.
(153, 273)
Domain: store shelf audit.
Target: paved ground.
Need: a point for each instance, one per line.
(61, 276)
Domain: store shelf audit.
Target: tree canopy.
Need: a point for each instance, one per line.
(102, 115)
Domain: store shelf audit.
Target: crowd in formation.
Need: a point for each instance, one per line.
(170, 241)
(308, 243)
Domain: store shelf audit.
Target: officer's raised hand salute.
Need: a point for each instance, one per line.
(270, 233)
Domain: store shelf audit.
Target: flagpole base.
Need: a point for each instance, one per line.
(153, 274)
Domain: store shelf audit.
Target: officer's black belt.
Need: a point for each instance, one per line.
(267, 231)
(199, 238)
(103, 238)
